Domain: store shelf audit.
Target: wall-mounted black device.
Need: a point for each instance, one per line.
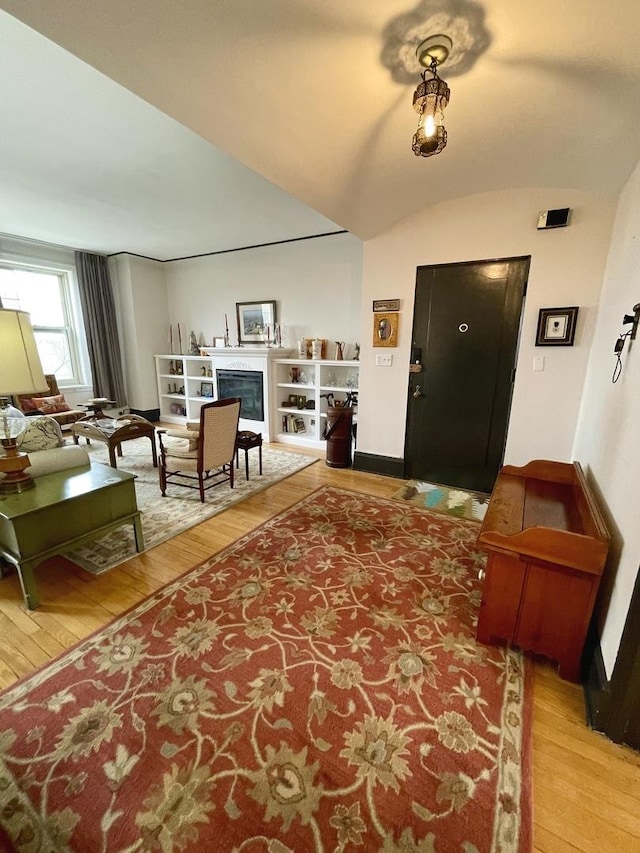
(553, 218)
(628, 319)
(633, 319)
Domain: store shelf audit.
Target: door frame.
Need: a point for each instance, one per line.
(613, 706)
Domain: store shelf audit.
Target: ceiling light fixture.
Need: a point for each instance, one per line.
(431, 97)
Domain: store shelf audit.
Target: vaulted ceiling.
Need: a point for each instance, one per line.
(221, 123)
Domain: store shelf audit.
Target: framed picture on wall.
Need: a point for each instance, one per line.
(385, 329)
(556, 326)
(253, 320)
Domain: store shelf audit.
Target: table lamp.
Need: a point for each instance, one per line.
(20, 373)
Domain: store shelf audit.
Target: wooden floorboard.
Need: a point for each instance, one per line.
(586, 790)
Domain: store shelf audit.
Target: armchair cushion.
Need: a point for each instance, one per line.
(184, 443)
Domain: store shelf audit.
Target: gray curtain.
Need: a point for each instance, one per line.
(99, 314)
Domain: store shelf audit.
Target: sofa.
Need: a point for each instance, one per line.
(48, 453)
(52, 404)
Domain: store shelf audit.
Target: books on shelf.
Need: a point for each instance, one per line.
(293, 424)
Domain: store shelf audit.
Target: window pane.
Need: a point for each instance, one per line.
(55, 353)
(38, 293)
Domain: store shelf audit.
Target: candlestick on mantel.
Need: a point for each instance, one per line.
(179, 339)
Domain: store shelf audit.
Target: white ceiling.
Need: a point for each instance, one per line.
(299, 92)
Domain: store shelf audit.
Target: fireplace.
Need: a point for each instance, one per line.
(246, 384)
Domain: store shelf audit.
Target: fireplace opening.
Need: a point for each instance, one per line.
(246, 384)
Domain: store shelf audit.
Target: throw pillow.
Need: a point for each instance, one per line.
(50, 405)
(26, 404)
(42, 433)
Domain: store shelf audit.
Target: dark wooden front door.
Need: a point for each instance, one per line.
(466, 322)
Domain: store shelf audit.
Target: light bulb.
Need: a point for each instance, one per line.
(429, 125)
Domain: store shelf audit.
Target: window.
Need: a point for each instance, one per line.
(46, 295)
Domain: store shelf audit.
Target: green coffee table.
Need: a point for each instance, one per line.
(63, 510)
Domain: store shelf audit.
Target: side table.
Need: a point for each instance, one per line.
(245, 440)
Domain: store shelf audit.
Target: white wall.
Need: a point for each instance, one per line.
(143, 319)
(567, 266)
(608, 434)
(316, 284)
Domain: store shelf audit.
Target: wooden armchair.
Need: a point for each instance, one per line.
(51, 404)
(201, 456)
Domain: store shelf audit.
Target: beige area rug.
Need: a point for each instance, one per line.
(163, 518)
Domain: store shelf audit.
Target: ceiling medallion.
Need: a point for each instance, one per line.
(461, 20)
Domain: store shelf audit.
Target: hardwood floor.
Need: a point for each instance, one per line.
(586, 790)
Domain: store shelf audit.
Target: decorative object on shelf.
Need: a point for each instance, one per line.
(356, 355)
(302, 401)
(219, 343)
(294, 373)
(310, 404)
(253, 317)
(226, 341)
(556, 326)
(339, 350)
(331, 379)
(293, 401)
(386, 305)
(385, 329)
(303, 346)
(193, 343)
(206, 389)
(267, 335)
(179, 340)
(277, 334)
(431, 97)
(316, 348)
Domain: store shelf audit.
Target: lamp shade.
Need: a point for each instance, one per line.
(20, 367)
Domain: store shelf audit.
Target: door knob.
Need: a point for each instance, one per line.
(418, 391)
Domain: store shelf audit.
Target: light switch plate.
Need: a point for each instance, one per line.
(538, 362)
(384, 359)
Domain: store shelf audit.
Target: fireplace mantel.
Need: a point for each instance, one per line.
(182, 379)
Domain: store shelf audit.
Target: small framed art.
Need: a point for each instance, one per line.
(556, 326)
(206, 389)
(385, 329)
(254, 319)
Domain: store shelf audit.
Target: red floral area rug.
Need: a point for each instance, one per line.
(314, 687)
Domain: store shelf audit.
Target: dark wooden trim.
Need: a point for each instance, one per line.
(624, 708)
(390, 466)
(597, 694)
(228, 251)
(479, 261)
(152, 415)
